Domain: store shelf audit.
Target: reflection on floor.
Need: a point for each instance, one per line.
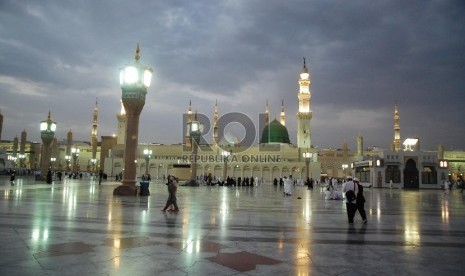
(77, 227)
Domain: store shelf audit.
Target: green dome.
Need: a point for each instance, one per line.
(275, 132)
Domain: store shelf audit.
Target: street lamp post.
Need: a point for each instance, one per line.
(195, 130)
(52, 161)
(21, 157)
(75, 154)
(307, 156)
(68, 160)
(135, 78)
(225, 155)
(147, 155)
(47, 133)
(94, 162)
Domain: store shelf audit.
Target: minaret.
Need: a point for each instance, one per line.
(22, 147)
(69, 142)
(267, 114)
(15, 146)
(94, 131)
(1, 124)
(440, 151)
(345, 150)
(282, 117)
(215, 124)
(122, 123)
(396, 129)
(360, 146)
(304, 115)
(187, 138)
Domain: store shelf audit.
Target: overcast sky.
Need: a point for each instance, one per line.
(363, 56)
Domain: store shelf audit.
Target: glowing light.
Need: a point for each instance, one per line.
(147, 78)
(130, 75)
(43, 126)
(409, 143)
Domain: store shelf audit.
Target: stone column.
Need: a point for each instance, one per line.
(133, 109)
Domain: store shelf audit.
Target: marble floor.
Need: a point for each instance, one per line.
(76, 227)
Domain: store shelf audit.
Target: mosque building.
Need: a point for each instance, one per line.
(274, 156)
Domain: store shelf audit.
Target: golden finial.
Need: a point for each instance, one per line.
(305, 70)
(49, 114)
(137, 52)
(195, 116)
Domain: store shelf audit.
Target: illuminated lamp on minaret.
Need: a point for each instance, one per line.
(304, 115)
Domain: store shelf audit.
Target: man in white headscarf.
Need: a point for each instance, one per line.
(350, 190)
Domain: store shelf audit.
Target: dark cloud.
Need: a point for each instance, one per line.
(363, 57)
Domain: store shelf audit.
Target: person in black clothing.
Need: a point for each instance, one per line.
(12, 177)
(49, 176)
(360, 202)
(100, 177)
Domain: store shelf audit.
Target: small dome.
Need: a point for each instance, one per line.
(275, 132)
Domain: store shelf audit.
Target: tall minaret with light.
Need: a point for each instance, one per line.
(396, 129)
(304, 115)
(215, 124)
(187, 138)
(1, 124)
(267, 114)
(122, 124)
(94, 131)
(282, 116)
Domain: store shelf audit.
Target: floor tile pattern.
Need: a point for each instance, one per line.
(76, 227)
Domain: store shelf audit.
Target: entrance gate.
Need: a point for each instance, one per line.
(411, 180)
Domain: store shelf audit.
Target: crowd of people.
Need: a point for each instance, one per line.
(351, 192)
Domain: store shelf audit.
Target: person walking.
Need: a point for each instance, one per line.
(100, 177)
(12, 177)
(350, 191)
(288, 186)
(446, 187)
(360, 201)
(172, 200)
(49, 177)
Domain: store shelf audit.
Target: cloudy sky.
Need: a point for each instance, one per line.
(363, 56)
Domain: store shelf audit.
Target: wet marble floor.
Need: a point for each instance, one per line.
(77, 227)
